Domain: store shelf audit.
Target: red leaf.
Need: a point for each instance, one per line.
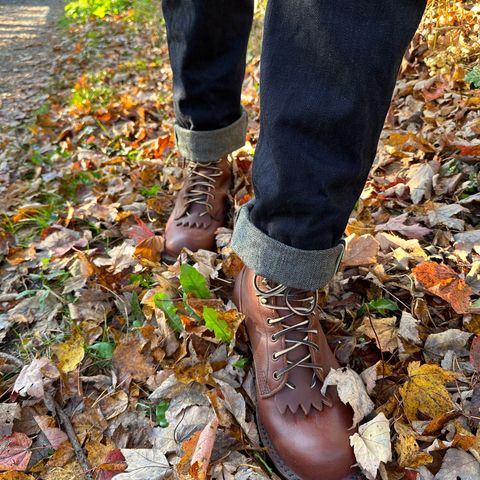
(14, 452)
(113, 464)
(140, 232)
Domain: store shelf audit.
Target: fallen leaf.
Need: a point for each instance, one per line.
(8, 413)
(351, 391)
(408, 451)
(54, 435)
(424, 391)
(420, 182)
(382, 330)
(442, 215)
(458, 465)
(14, 452)
(130, 362)
(30, 379)
(360, 250)
(409, 328)
(397, 224)
(144, 464)
(371, 445)
(203, 451)
(438, 344)
(443, 282)
(70, 353)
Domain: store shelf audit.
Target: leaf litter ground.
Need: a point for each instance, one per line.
(116, 365)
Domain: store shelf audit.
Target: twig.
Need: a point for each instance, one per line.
(8, 297)
(63, 419)
(10, 358)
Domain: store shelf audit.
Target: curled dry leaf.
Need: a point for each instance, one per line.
(351, 391)
(30, 379)
(443, 282)
(408, 451)
(438, 344)
(371, 445)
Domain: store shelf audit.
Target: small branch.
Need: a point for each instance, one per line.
(63, 419)
(8, 297)
(10, 358)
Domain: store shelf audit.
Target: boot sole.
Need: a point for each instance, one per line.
(285, 471)
(168, 259)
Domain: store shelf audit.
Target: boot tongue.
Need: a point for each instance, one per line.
(303, 396)
(195, 214)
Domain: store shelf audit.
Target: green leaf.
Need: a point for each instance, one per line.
(137, 314)
(164, 303)
(474, 77)
(193, 282)
(160, 411)
(216, 325)
(240, 363)
(382, 305)
(103, 349)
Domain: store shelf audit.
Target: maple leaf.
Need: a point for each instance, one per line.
(424, 391)
(371, 445)
(443, 282)
(14, 452)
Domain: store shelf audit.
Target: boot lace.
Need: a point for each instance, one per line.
(299, 303)
(202, 181)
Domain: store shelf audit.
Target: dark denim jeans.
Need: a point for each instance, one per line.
(328, 70)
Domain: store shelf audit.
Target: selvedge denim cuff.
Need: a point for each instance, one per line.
(207, 146)
(296, 268)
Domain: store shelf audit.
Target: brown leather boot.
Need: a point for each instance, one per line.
(200, 208)
(306, 434)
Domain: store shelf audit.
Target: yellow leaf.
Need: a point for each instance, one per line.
(70, 353)
(424, 392)
(408, 451)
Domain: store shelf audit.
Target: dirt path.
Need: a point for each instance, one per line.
(27, 28)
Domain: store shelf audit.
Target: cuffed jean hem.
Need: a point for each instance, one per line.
(296, 268)
(207, 146)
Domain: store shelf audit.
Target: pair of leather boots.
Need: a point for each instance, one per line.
(305, 433)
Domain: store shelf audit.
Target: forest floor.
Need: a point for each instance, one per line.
(113, 364)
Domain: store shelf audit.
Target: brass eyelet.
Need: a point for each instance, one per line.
(273, 338)
(274, 357)
(276, 376)
(269, 321)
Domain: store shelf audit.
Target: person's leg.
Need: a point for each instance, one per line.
(207, 42)
(328, 70)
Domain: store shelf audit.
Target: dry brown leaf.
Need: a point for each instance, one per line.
(408, 451)
(360, 250)
(382, 330)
